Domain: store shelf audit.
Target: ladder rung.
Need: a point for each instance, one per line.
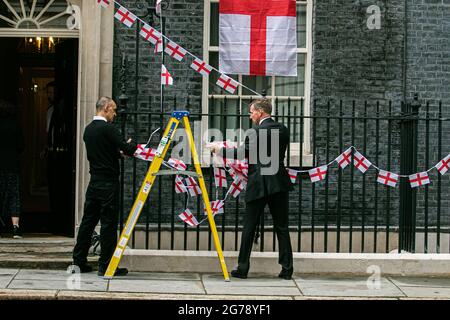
(175, 172)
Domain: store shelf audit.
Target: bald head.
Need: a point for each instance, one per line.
(106, 107)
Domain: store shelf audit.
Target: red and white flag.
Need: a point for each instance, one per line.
(125, 16)
(216, 207)
(237, 187)
(175, 51)
(419, 179)
(166, 77)
(193, 187)
(227, 83)
(318, 174)
(220, 178)
(442, 166)
(201, 67)
(158, 46)
(345, 158)
(179, 185)
(387, 178)
(143, 153)
(188, 218)
(292, 174)
(361, 162)
(150, 34)
(104, 3)
(177, 164)
(258, 37)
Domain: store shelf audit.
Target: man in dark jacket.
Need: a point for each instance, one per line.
(268, 184)
(104, 145)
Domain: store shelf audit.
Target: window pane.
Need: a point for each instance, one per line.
(301, 26)
(226, 114)
(214, 25)
(292, 86)
(288, 112)
(214, 76)
(257, 83)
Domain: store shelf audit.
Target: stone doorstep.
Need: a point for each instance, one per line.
(304, 263)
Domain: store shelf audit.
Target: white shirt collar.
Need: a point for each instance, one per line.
(263, 120)
(100, 118)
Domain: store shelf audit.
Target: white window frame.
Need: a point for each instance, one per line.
(294, 147)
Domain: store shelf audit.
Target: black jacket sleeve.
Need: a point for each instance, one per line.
(120, 143)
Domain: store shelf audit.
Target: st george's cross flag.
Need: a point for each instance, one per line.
(387, 178)
(179, 185)
(292, 174)
(188, 218)
(419, 179)
(318, 174)
(175, 51)
(177, 164)
(361, 162)
(216, 207)
(104, 3)
(125, 16)
(166, 77)
(258, 37)
(201, 67)
(150, 34)
(345, 158)
(158, 6)
(220, 178)
(442, 165)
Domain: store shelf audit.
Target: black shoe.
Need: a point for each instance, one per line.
(286, 274)
(82, 268)
(119, 272)
(16, 233)
(238, 274)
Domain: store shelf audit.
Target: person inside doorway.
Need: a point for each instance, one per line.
(11, 146)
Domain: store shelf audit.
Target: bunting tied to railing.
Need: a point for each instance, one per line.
(238, 170)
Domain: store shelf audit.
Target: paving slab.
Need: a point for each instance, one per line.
(214, 284)
(8, 271)
(421, 282)
(346, 287)
(161, 276)
(25, 274)
(156, 286)
(423, 292)
(58, 285)
(6, 275)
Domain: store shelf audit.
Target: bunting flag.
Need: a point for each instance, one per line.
(419, 179)
(227, 83)
(220, 178)
(158, 46)
(237, 187)
(104, 3)
(216, 207)
(318, 174)
(258, 37)
(175, 51)
(193, 188)
(158, 7)
(188, 218)
(143, 153)
(360, 162)
(166, 77)
(179, 185)
(345, 158)
(292, 174)
(387, 178)
(177, 164)
(201, 67)
(125, 16)
(442, 165)
(150, 34)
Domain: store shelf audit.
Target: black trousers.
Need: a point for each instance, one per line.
(279, 209)
(101, 205)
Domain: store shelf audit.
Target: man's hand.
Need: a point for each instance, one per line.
(213, 146)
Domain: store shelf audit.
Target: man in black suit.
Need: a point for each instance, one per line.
(104, 145)
(268, 184)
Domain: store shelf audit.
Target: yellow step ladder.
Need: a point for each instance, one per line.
(177, 117)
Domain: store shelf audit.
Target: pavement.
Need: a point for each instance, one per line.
(33, 284)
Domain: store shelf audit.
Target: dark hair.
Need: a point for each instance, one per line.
(263, 104)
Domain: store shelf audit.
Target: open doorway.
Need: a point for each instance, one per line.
(39, 76)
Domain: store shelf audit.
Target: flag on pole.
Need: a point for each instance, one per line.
(175, 51)
(201, 67)
(104, 3)
(188, 218)
(344, 159)
(442, 166)
(419, 179)
(292, 174)
(166, 77)
(125, 16)
(220, 178)
(361, 162)
(226, 83)
(158, 6)
(387, 178)
(258, 37)
(318, 174)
